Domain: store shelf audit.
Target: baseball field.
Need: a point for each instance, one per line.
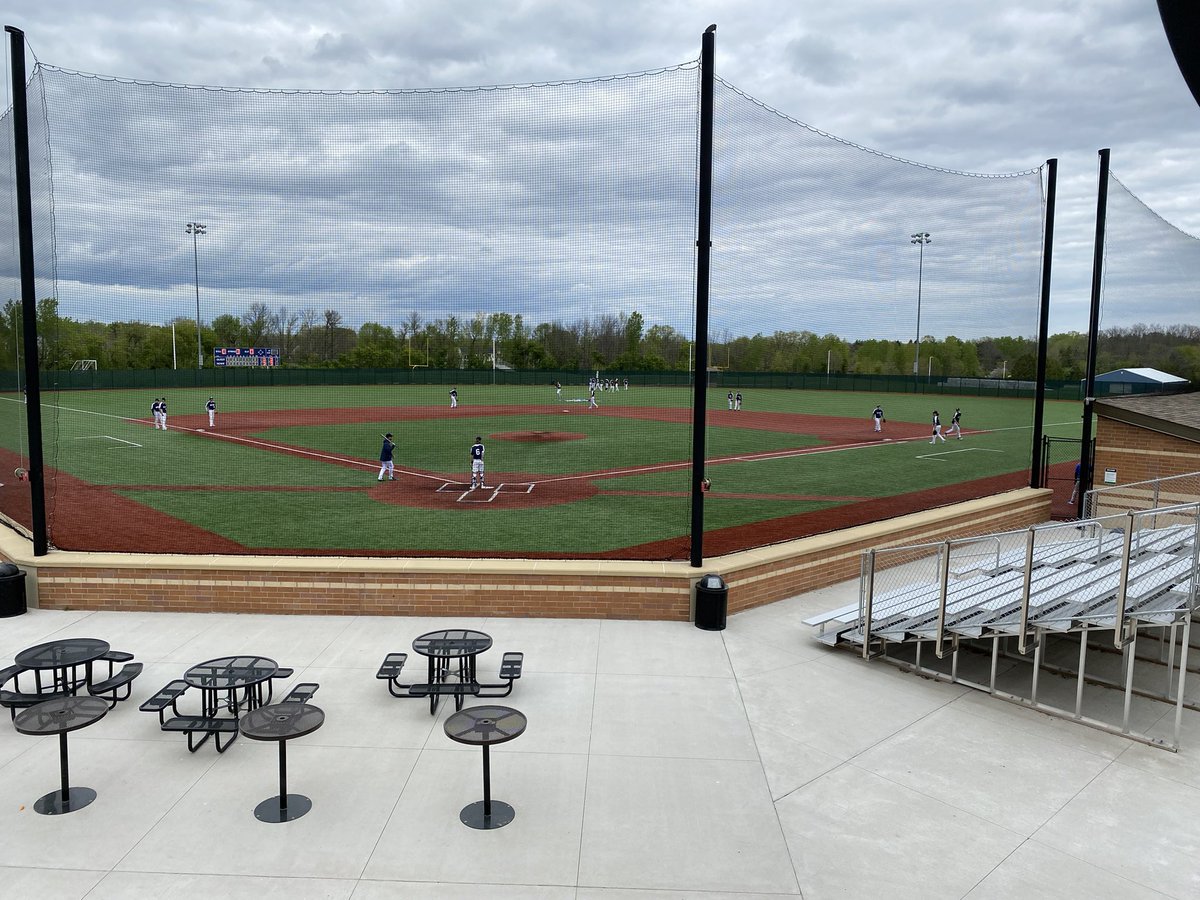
(295, 469)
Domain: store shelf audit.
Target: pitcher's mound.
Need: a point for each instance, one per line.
(538, 437)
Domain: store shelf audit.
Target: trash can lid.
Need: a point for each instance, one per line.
(8, 569)
(712, 582)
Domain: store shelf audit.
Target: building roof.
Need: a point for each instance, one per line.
(1174, 414)
(1141, 375)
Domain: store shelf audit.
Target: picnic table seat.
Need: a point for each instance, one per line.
(111, 688)
(208, 725)
(301, 693)
(166, 697)
(389, 671)
(14, 698)
(510, 671)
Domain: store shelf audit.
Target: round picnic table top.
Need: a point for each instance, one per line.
(281, 721)
(60, 715)
(485, 725)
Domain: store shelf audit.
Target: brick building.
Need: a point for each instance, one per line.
(1147, 436)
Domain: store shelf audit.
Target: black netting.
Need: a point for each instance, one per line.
(1150, 299)
(353, 257)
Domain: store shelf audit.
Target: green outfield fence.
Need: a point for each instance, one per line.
(163, 379)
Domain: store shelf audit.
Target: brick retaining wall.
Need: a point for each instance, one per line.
(543, 588)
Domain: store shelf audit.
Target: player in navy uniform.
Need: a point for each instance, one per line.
(386, 463)
(955, 423)
(877, 415)
(737, 400)
(154, 412)
(477, 463)
(558, 389)
(592, 404)
(729, 398)
(453, 397)
(211, 406)
(162, 412)
(937, 429)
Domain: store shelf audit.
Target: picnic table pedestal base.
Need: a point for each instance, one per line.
(282, 722)
(487, 813)
(61, 716)
(66, 799)
(482, 726)
(285, 807)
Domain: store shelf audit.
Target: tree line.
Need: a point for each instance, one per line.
(308, 338)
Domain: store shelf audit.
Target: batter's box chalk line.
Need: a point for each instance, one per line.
(515, 488)
(483, 495)
(452, 487)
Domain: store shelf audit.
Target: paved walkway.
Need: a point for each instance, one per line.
(660, 762)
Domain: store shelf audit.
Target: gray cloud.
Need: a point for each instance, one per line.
(972, 86)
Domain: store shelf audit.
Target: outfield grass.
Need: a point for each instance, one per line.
(94, 436)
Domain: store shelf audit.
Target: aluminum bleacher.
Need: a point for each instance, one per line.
(1105, 581)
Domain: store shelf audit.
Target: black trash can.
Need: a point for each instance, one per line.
(712, 603)
(12, 591)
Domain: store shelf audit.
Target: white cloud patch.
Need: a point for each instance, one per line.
(972, 86)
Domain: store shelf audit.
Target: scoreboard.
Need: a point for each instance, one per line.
(245, 356)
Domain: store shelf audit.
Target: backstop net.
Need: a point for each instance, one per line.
(1150, 298)
(514, 267)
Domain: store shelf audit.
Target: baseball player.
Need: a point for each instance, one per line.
(877, 415)
(386, 463)
(729, 397)
(937, 429)
(737, 400)
(211, 406)
(592, 404)
(955, 423)
(558, 389)
(626, 384)
(162, 412)
(154, 412)
(477, 464)
(453, 398)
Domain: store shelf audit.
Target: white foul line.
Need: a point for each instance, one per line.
(963, 450)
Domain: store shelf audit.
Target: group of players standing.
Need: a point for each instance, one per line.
(158, 410)
(955, 423)
(387, 461)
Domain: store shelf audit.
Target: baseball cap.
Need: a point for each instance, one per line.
(389, 434)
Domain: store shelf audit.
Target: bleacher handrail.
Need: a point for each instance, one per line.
(1137, 492)
(1090, 586)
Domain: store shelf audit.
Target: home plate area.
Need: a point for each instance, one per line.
(484, 494)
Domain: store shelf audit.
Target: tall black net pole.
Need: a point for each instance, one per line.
(1089, 384)
(33, 405)
(703, 254)
(1039, 397)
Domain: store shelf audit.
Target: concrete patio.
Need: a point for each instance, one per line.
(660, 762)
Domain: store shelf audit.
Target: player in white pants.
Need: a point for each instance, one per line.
(877, 415)
(453, 398)
(955, 423)
(211, 406)
(162, 412)
(477, 463)
(937, 429)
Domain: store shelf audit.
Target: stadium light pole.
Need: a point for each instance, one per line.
(195, 229)
(921, 238)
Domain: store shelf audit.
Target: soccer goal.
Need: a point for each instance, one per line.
(83, 365)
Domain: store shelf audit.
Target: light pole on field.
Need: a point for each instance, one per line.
(921, 238)
(195, 229)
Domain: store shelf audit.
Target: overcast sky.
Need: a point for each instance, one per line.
(973, 86)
